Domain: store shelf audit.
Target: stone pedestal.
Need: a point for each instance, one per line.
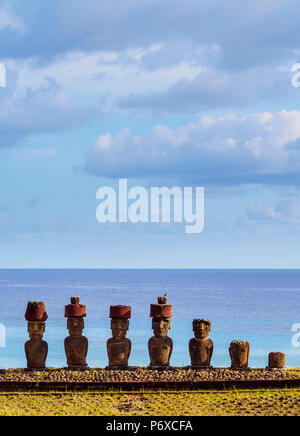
(276, 360)
(76, 345)
(201, 347)
(36, 350)
(118, 346)
(160, 346)
(239, 354)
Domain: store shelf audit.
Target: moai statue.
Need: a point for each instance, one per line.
(160, 345)
(201, 347)
(119, 347)
(239, 354)
(36, 349)
(276, 360)
(76, 345)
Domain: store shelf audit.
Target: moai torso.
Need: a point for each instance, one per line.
(76, 349)
(239, 354)
(36, 354)
(118, 352)
(201, 352)
(276, 360)
(160, 350)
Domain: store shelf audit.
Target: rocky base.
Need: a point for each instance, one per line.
(145, 375)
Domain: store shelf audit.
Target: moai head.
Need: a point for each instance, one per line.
(161, 315)
(201, 328)
(36, 316)
(75, 325)
(36, 330)
(239, 354)
(161, 327)
(276, 360)
(75, 313)
(119, 324)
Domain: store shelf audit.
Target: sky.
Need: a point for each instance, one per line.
(172, 93)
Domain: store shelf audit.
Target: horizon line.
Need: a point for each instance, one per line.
(150, 268)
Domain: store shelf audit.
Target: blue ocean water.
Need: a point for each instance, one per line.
(255, 305)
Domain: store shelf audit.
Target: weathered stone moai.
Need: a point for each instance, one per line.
(36, 349)
(276, 360)
(201, 347)
(76, 345)
(160, 345)
(239, 354)
(119, 347)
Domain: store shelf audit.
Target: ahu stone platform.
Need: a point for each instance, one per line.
(136, 378)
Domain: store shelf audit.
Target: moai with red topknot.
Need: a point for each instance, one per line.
(160, 346)
(36, 349)
(119, 347)
(76, 345)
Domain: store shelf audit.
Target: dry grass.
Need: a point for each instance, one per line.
(201, 403)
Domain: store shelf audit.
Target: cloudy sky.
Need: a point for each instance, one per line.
(163, 93)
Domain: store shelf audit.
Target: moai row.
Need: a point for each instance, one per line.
(160, 346)
(76, 345)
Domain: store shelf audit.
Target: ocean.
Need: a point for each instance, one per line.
(259, 306)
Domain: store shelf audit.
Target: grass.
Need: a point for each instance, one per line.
(190, 403)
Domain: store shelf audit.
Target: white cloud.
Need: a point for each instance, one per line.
(262, 212)
(44, 109)
(230, 150)
(87, 76)
(9, 20)
(277, 216)
(138, 53)
(185, 67)
(214, 88)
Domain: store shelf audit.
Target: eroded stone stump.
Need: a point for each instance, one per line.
(276, 360)
(76, 345)
(201, 347)
(160, 346)
(118, 346)
(36, 349)
(239, 354)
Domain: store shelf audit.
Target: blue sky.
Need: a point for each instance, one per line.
(194, 93)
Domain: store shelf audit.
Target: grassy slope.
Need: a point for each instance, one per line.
(254, 402)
